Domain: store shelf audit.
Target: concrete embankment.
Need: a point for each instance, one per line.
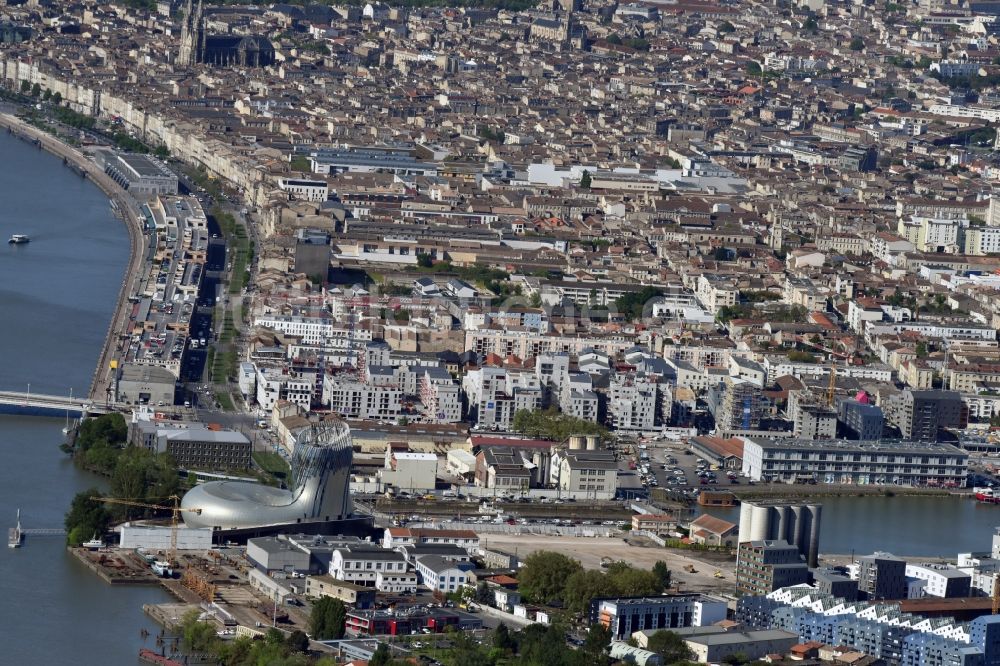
(137, 240)
(786, 491)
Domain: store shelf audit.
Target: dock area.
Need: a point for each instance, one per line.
(117, 568)
(168, 616)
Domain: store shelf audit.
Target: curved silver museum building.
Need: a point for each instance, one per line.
(321, 466)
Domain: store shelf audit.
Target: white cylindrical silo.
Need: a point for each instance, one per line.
(815, 513)
(760, 523)
(785, 521)
(746, 518)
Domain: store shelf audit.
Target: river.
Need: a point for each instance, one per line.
(935, 526)
(57, 294)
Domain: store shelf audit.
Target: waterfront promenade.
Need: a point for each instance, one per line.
(103, 378)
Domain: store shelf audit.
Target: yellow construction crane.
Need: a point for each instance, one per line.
(831, 388)
(174, 517)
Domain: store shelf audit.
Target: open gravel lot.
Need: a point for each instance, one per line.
(589, 551)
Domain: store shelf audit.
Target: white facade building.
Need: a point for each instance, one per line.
(362, 565)
(355, 400)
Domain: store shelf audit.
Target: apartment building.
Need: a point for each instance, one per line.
(920, 415)
(737, 404)
(815, 422)
(494, 395)
(716, 291)
(355, 400)
(632, 402)
(440, 396)
(861, 420)
(882, 576)
(855, 462)
(765, 566)
(577, 397)
(940, 580)
(312, 330)
(273, 384)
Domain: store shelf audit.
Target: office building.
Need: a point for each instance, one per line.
(359, 564)
(143, 177)
(624, 616)
(194, 446)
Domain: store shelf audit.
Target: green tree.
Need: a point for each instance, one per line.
(543, 576)
(857, 44)
(381, 656)
(662, 572)
(921, 349)
(57, 97)
(585, 585)
(554, 425)
(425, 260)
(25, 86)
(502, 639)
(632, 582)
(86, 517)
(36, 90)
(585, 180)
(597, 642)
(297, 641)
(110, 428)
(484, 595)
(162, 152)
(47, 95)
(327, 619)
(633, 305)
(197, 636)
(670, 646)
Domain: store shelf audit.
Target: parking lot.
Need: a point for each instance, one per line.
(671, 466)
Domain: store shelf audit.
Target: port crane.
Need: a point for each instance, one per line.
(175, 510)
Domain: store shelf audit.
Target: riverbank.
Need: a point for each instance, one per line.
(802, 491)
(102, 378)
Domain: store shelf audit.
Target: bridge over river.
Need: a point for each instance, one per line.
(40, 404)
